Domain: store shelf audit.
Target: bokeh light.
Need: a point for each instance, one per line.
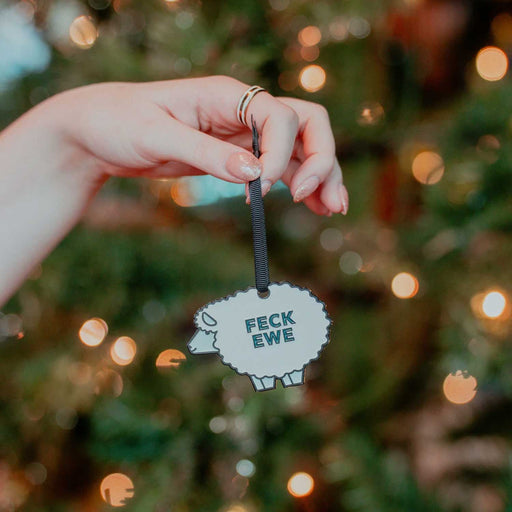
(123, 351)
(494, 304)
(182, 194)
(459, 387)
(300, 485)
(108, 382)
(170, 358)
(309, 36)
(351, 262)
(245, 468)
(370, 113)
(502, 28)
(428, 167)
(11, 325)
(309, 53)
(491, 63)
(331, 239)
(312, 78)
(83, 32)
(93, 332)
(359, 27)
(117, 489)
(218, 424)
(404, 285)
(338, 29)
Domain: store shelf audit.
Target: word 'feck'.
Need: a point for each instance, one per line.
(272, 329)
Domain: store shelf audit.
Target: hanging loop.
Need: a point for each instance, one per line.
(259, 232)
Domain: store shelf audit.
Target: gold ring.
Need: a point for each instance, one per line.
(244, 102)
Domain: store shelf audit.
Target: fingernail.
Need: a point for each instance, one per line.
(306, 188)
(344, 199)
(244, 166)
(265, 186)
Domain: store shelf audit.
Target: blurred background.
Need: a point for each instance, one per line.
(409, 406)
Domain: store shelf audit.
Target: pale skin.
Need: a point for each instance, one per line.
(56, 157)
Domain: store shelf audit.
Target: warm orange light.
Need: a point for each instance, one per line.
(404, 285)
(491, 63)
(309, 53)
(83, 32)
(117, 489)
(93, 332)
(181, 194)
(428, 167)
(310, 36)
(312, 78)
(123, 351)
(370, 113)
(300, 485)
(170, 358)
(459, 387)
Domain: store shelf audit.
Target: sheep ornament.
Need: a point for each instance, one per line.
(266, 338)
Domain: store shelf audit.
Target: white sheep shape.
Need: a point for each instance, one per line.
(265, 338)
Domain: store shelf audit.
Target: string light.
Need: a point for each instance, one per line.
(309, 36)
(351, 262)
(459, 387)
(338, 29)
(182, 194)
(245, 468)
(309, 53)
(170, 358)
(312, 78)
(117, 489)
(123, 351)
(83, 32)
(93, 332)
(494, 304)
(331, 239)
(404, 285)
(370, 113)
(108, 382)
(300, 485)
(491, 63)
(428, 167)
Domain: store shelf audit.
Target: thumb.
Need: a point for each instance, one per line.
(168, 139)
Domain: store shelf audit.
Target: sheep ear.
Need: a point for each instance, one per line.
(208, 320)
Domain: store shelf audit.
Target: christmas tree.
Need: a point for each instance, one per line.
(408, 407)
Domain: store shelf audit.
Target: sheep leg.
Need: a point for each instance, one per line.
(295, 378)
(264, 383)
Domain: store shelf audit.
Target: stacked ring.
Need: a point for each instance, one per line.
(244, 102)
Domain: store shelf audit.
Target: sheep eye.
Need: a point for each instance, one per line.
(208, 320)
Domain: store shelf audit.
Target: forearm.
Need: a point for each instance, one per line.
(45, 186)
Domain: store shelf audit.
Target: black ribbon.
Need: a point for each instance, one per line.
(259, 232)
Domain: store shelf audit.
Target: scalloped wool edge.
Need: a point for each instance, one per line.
(226, 319)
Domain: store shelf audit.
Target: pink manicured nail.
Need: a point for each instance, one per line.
(344, 199)
(265, 187)
(306, 188)
(244, 166)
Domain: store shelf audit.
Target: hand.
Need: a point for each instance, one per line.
(189, 126)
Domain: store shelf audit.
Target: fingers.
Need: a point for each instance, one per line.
(164, 139)
(333, 193)
(278, 125)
